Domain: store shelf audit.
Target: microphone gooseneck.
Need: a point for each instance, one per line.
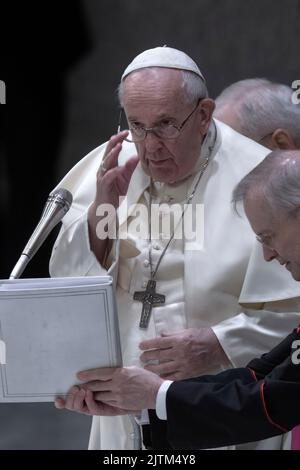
(57, 205)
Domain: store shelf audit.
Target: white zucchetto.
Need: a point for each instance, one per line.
(165, 57)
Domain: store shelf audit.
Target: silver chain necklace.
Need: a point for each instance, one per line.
(150, 298)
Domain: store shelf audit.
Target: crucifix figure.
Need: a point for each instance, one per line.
(150, 299)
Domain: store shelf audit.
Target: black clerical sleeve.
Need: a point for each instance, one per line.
(264, 365)
(234, 407)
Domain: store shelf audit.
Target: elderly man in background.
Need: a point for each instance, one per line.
(217, 305)
(239, 405)
(263, 111)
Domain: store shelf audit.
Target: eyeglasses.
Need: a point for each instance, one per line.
(265, 240)
(265, 136)
(164, 130)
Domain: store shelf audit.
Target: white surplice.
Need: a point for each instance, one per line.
(250, 304)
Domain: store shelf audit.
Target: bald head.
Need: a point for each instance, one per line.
(276, 179)
(263, 111)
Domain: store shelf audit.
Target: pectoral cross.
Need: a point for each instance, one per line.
(150, 299)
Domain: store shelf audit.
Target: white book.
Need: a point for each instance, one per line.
(50, 329)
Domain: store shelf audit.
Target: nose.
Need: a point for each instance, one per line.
(152, 142)
(269, 253)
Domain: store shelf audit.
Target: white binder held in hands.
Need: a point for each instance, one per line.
(50, 329)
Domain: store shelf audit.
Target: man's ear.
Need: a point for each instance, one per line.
(282, 139)
(205, 112)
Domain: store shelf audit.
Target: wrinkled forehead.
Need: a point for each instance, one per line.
(154, 88)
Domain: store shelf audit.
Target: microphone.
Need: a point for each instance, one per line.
(57, 205)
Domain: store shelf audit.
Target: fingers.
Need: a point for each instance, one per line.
(75, 401)
(167, 368)
(111, 160)
(115, 140)
(112, 151)
(89, 403)
(123, 175)
(127, 170)
(71, 398)
(106, 397)
(93, 407)
(97, 374)
(156, 343)
(98, 386)
(79, 401)
(59, 403)
(112, 180)
(161, 355)
(102, 409)
(130, 165)
(86, 402)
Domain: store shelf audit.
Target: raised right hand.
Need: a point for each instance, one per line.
(114, 181)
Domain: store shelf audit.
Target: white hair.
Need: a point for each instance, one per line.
(193, 86)
(277, 178)
(261, 107)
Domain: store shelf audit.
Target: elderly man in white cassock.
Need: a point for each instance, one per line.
(218, 303)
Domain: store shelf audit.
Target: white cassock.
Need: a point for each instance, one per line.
(250, 304)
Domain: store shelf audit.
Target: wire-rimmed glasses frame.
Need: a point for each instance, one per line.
(169, 132)
(265, 240)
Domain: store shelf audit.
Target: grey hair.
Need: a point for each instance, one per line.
(193, 86)
(277, 178)
(261, 107)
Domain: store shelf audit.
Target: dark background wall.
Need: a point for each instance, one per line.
(61, 62)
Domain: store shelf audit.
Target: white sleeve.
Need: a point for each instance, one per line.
(161, 406)
(270, 299)
(72, 254)
(254, 332)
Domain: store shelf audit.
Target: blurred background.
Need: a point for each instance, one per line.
(61, 62)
